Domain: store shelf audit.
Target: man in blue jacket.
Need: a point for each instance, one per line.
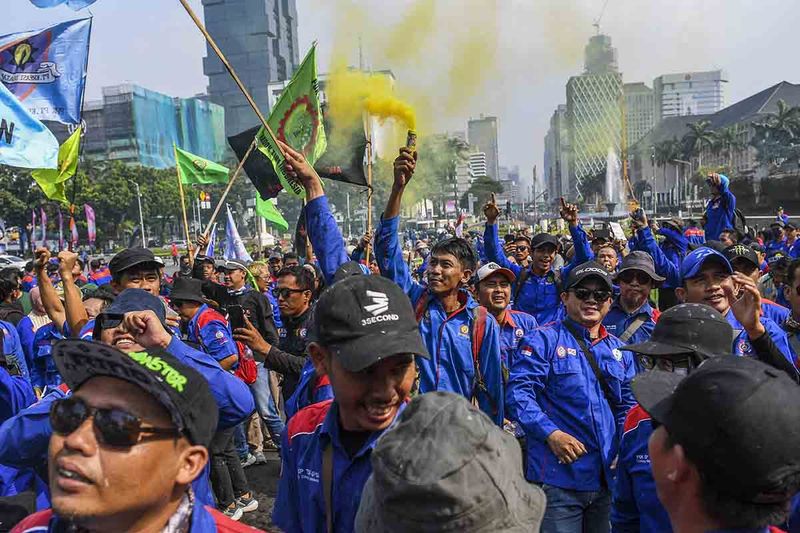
(685, 336)
(791, 325)
(721, 208)
(570, 391)
(365, 340)
(464, 359)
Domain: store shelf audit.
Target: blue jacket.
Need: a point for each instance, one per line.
(300, 503)
(514, 327)
(43, 369)
(743, 347)
(695, 235)
(325, 237)
(773, 247)
(310, 389)
(210, 330)
(552, 387)
(26, 334)
(539, 295)
(793, 250)
(720, 211)
(674, 247)
(16, 394)
(448, 338)
(617, 321)
(775, 312)
(663, 266)
(635, 507)
(12, 348)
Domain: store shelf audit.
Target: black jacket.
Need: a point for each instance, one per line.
(288, 356)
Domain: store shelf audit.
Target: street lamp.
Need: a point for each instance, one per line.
(141, 217)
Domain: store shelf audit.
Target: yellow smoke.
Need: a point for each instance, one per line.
(351, 93)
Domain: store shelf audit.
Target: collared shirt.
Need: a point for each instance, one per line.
(618, 320)
(513, 326)
(300, 503)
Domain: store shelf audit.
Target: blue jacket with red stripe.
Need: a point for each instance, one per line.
(552, 387)
(448, 338)
(515, 325)
(101, 276)
(300, 503)
(720, 211)
(635, 506)
(209, 329)
(310, 389)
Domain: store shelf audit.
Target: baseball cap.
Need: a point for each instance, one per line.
(128, 301)
(275, 256)
(738, 420)
(490, 269)
(203, 259)
(778, 223)
(182, 390)
(445, 466)
(688, 328)
(350, 268)
(790, 225)
(131, 257)
(234, 264)
(742, 251)
(589, 269)
(639, 260)
(363, 319)
(694, 261)
(542, 239)
(187, 290)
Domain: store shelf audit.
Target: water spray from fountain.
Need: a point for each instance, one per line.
(614, 193)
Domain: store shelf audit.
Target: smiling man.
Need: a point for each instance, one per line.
(569, 391)
(365, 340)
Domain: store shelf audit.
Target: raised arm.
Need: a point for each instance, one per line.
(50, 300)
(76, 315)
(491, 239)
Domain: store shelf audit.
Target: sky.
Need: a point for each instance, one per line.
(456, 59)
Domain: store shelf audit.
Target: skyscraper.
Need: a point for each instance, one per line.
(690, 93)
(482, 134)
(477, 164)
(259, 39)
(557, 156)
(594, 113)
(640, 110)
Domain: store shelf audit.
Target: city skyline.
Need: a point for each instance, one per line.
(540, 47)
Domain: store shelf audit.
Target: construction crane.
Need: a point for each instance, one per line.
(599, 18)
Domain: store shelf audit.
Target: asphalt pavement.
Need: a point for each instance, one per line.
(263, 480)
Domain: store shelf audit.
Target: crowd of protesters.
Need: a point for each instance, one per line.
(455, 383)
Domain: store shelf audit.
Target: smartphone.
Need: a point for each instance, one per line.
(236, 316)
(638, 214)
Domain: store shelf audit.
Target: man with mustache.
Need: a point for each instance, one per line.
(569, 391)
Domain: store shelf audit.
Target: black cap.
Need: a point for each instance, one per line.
(688, 328)
(639, 260)
(589, 269)
(541, 239)
(778, 223)
(131, 257)
(350, 268)
(738, 420)
(182, 390)
(234, 264)
(741, 251)
(128, 301)
(187, 290)
(204, 259)
(363, 319)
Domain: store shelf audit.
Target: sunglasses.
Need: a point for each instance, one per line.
(108, 320)
(523, 248)
(640, 277)
(583, 294)
(285, 292)
(680, 366)
(113, 427)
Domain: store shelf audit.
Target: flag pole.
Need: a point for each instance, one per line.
(232, 72)
(368, 131)
(228, 189)
(183, 208)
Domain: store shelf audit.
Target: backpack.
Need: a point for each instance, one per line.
(480, 316)
(247, 370)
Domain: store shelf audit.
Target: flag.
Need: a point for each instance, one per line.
(234, 246)
(345, 164)
(60, 230)
(90, 224)
(43, 219)
(195, 169)
(296, 120)
(33, 228)
(75, 5)
(52, 180)
(24, 140)
(300, 236)
(212, 242)
(73, 228)
(267, 209)
(46, 69)
(460, 225)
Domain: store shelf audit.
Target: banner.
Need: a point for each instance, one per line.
(46, 69)
(73, 228)
(43, 220)
(60, 230)
(24, 141)
(75, 5)
(194, 169)
(234, 246)
(212, 242)
(90, 224)
(33, 229)
(268, 210)
(52, 181)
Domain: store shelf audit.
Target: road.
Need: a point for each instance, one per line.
(263, 481)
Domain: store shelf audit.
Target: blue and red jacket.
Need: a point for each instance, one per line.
(12, 348)
(793, 250)
(774, 246)
(210, 330)
(515, 325)
(16, 394)
(29, 282)
(539, 295)
(300, 503)
(695, 235)
(720, 211)
(618, 320)
(635, 507)
(774, 311)
(44, 372)
(743, 347)
(552, 387)
(101, 276)
(310, 389)
(325, 237)
(447, 337)
(205, 519)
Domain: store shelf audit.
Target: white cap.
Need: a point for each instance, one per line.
(489, 269)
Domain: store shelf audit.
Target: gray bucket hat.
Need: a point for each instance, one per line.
(446, 466)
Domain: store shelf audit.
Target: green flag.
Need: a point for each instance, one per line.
(267, 209)
(296, 120)
(195, 169)
(51, 180)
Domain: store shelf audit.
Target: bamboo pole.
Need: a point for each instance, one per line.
(368, 131)
(228, 187)
(183, 208)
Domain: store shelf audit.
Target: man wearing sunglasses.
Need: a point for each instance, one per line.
(570, 391)
(256, 305)
(128, 443)
(631, 317)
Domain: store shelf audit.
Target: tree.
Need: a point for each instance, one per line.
(777, 137)
(728, 141)
(482, 189)
(698, 137)
(667, 151)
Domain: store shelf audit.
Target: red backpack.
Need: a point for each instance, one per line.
(247, 370)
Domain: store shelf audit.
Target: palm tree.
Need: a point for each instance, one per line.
(728, 140)
(777, 137)
(786, 121)
(698, 137)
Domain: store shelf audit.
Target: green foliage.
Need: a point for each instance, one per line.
(777, 137)
(482, 188)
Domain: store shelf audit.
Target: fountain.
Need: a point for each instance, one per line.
(614, 194)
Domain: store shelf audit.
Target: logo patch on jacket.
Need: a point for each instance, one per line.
(617, 354)
(562, 352)
(519, 333)
(464, 330)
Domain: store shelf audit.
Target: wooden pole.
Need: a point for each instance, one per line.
(368, 131)
(232, 72)
(183, 209)
(229, 186)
